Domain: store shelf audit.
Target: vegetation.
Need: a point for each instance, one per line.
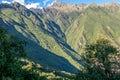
(91, 23)
(11, 51)
(46, 41)
(56, 35)
(13, 64)
(99, 61)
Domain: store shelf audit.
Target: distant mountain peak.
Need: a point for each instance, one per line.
(58, 4)
(67, 7)
(112, 4)
(93, 5)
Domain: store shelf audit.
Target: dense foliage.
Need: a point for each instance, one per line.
(100, 61)
(11, 51)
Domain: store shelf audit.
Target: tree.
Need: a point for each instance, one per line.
(11, 51)
(98, 61)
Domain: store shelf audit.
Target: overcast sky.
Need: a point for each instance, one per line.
(44, 3)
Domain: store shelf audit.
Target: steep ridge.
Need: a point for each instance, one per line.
(62, 13)
(46, 41)
(57, 35)
(94, 21)
(82, 24)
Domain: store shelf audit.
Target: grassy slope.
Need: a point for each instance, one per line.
(91, 24)
(43, 46)
(53, 35)
(84, 26)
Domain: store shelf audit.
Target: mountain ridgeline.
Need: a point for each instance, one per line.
(56, 35)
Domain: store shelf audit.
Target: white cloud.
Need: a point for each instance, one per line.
(3, 1)
(30, 5)
(45, 2)
(33, 5)
(56, 0)
(19, 1)
(50, 4)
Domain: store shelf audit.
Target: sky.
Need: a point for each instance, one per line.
(45, 3)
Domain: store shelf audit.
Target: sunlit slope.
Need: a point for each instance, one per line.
(91, 23)
(56, 35)
(82, 23)
(46, 41)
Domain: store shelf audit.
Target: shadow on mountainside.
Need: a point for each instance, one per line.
(55, 31)
(38, 54)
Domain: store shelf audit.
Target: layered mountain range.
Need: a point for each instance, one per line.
(56, 35)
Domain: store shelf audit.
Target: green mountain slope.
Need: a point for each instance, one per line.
(84, 23)
(91, 24)
(46, 42)
(57, 35)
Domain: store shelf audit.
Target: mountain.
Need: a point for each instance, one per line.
(84, 23)
(57, 34)
(46, 41)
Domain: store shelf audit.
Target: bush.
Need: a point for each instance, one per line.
(11, 51)
(98, 61)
